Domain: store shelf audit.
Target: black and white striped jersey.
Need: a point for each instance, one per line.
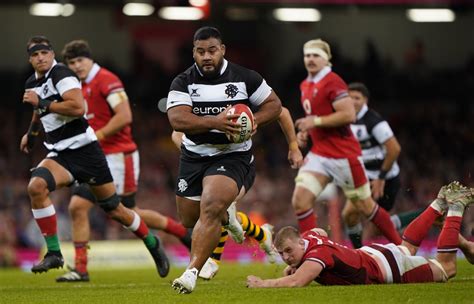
(371, 130)
(235, 84)
(62, 131)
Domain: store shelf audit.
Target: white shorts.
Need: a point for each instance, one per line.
(125, 169)
(400, 267)
(347, 173)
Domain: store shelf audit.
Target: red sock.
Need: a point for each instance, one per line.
(175, 228)
(306, 220)
(381, 219)
(81, 256)
(417, 230)
(138, 227)
(448, 239)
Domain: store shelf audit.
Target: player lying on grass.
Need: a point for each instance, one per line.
(312, 256)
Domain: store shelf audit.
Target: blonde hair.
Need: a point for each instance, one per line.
(285, 233)
(315, 46)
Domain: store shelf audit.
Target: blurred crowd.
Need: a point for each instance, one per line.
(430, 111)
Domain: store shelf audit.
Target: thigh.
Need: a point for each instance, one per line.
(348, 173)
(188, 211)
(61, 174)
(88, 164)
(313, 163)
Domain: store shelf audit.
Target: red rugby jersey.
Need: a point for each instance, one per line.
(341, 265)
(100, 83)
(317, 96)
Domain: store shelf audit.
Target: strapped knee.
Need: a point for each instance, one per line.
(438, 264)
(358, 194)
(45, 174)
(84, 191)
(110, 203)
(309, 181)
(128, 200)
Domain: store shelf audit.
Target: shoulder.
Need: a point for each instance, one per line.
(107, 74)
(60, 71)
(108, 81)
(183, 79)
(30, 82)
(372, 118)
(245, 73)
(335, 79)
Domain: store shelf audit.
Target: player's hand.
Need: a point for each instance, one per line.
(31, 97)
(295, 157)
(289, 271)
(305, 124)
(302, 139)
(223, 122)
(377, 186)
(24, 147)
(254, 282)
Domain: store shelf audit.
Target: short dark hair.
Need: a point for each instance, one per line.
(360, 87)
(38, 39)
(207, 32)
(76, 48)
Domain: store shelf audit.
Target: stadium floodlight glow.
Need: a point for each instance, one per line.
(52, 9)
(297, 14)
(138, 9)
(431, 15)
(241, 14)
(180, 13)
(198, 3)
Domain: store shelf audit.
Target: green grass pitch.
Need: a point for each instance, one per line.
(144, 286)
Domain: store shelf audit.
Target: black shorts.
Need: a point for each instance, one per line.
(239, 166)
(390, 191)
(86, 164)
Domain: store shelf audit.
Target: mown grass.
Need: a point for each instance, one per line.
(144, 286)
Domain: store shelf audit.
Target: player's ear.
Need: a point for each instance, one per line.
(223, 49)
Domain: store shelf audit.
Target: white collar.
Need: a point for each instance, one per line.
(362, 111)
(47, 73)
(320, 75)
(306, 244)
(94, 70)
(223, 68)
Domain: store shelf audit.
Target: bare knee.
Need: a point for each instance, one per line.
(79, 209)
(37, 188)
(451, 269)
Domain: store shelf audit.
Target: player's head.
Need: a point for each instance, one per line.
(290, 245)
(41, 54)
(208, 51)
(317, 55)
(78, 57)
(359, 94)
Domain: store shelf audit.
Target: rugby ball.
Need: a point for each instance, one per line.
(245, 120)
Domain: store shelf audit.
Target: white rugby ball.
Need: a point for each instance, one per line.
(245, 120)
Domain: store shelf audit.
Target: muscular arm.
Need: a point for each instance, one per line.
(269, 110)
(27, 141)
(393, 151)
(72, 104)
(286, 124)
(305, 274)
(122, 117)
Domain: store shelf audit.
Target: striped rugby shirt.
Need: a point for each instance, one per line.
(235, 84)
(371, 130)
(62, 131)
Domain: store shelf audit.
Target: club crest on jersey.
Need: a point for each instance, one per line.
(194, 92)
(231, 91)
(182, 185)
(315, 92)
